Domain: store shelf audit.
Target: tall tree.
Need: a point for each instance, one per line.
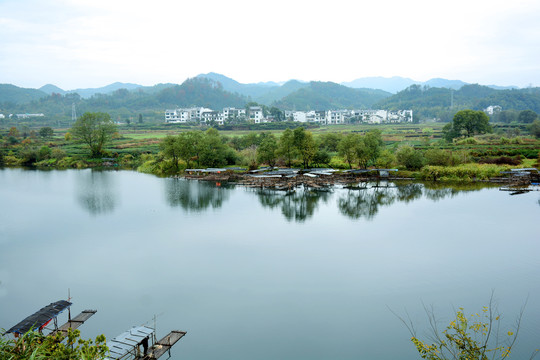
(95, 129)
(347, 148)
(286, 147)
(46, 132)
(372, 147)
(170, 147)
(267, 151)
(468, 123)
(527, 116)
(304, 142)
(189, 144)
(212, 149)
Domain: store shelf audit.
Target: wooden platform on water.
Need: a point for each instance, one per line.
(164, 345)
(74, 323)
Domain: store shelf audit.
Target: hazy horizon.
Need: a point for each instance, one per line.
(91, 43)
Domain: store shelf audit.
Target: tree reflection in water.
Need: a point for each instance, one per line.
(365, 202)
(195, 195)
(96, 192)
(300, 204)
(297, 205)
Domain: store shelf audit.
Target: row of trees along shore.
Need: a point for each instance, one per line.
(297, 147)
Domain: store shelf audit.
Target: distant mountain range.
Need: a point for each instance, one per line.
(396, 84)
(86, 93)
(435, 98)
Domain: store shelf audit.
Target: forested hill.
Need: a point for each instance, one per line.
(435, 102)
(193, 92)
(329, 95)
(16, 95)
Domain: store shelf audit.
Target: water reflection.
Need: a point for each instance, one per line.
(297, 205)
(438, 191)
(364, 201)
(195, 196)
(96, 192)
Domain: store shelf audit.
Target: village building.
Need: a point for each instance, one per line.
(255, 114)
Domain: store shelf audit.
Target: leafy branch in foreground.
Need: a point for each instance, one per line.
(477, 337)
(34, 345)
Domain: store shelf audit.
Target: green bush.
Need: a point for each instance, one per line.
(44, 153)
(467, 141)
(410, 158)
(58, 154)
(34, 345)
(438, 157)
(386, 159)
(465, 172)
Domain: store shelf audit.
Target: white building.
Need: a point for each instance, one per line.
(318, 117)
(183, 115)
(493, 109)
(256, 114)
(334, 117)
(26, 116)
(299, 116)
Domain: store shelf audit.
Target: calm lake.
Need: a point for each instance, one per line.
(253, 274)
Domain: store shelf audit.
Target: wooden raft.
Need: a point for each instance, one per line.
(74, 323)
(165, 344)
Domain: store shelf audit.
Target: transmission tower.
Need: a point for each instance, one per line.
(73, 113)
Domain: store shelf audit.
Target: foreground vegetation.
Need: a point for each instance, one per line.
(479, 336)
(34, 345)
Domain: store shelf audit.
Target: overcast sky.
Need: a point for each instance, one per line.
(92, 43)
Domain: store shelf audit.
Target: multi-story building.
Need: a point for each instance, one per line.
(183, 115)
(230, 113)
(334, 117)
(256, 114)
(318, 117)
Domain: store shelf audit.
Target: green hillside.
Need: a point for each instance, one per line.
(123, 103)
(329, 95)
(442, 102)
(17, 95)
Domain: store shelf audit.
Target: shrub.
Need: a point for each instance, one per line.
(501, 160)
(29, 155)
(322, 157)
(410, 158)
(386, 159)
(467, 141)
(438, 157)
(466, 172)
(44, 153)
(57, 153)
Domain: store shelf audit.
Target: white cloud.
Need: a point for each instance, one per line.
(94, 42)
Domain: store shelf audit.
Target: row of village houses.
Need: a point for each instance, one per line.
(256, 115)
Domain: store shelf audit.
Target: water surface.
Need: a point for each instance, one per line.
(258, 274)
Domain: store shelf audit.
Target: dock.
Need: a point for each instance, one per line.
(164, 345)
(74, 323)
